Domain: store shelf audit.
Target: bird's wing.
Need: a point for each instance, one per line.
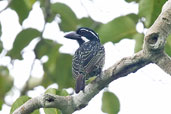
(76, 63)
(93, 57)
(88, 58)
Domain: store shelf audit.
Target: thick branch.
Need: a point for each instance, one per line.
(164, 62)
(45, 101)
(29, 106)
(71, 103)
(155, 39)
(153, 51)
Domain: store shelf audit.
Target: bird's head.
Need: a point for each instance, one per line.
(82, 35)
(88, 33)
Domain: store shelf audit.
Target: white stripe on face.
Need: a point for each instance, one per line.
(90, 32)
(85, 39)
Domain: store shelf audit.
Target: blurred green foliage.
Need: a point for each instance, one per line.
(110, 103)
(21, 100)
(58, 67)
(21, 41)
(150, 9)
(139, 41)
(0, 30)
(119, 28)
(22, 8)
(6, 83)
(168, 45)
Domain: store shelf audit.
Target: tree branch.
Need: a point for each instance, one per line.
(70, 104)
(153, 52)
(164, 62)
(155, 39)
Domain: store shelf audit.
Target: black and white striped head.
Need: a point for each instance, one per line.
(82, 35)
(88, 33)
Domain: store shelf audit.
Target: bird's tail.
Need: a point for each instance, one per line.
(80, 83)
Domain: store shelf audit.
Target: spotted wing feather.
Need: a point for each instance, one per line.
(88, 59)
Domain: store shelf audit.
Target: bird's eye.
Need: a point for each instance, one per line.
(80, 32)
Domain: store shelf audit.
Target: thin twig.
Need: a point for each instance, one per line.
(9, 3)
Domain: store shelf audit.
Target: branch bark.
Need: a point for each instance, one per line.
(153, 52)
(155, 39)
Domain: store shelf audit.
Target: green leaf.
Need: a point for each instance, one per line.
(88, 22)
(42, 48)
(50, 49)
(168, 46)
(1, 103)
(58, 67)
(139, 42)
(21, 41)
(110, 103)
(132, 1)
(90, 79)
(20, 101)
(62, 92)
(58, 70)
(51, 91)
(150, 9)
(119, 28)
(133, 17)
(6, 83)
(46, 9)
(22, 7)
(51, 111)
(0, 30)
(57, 92)
(62, 72)
(1, 46)
(69, 21)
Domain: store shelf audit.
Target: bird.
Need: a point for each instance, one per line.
(89, 58)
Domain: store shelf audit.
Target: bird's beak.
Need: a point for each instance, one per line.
(73, 35)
